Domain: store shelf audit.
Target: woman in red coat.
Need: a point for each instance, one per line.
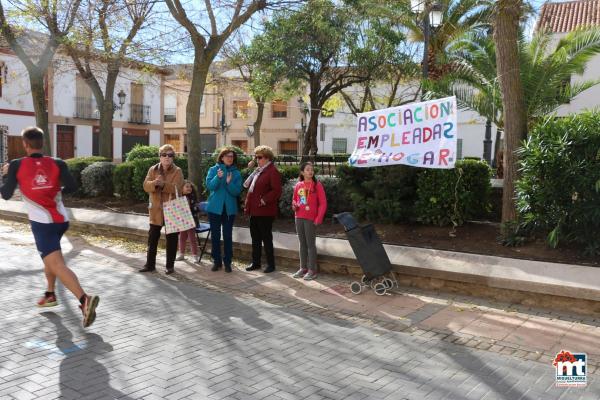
(262, 202)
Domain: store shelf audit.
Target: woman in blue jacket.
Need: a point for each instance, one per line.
(224, 182)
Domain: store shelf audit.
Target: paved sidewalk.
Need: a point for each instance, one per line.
(256, 336)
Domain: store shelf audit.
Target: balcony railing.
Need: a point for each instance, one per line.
(86, 108)
(139, 114)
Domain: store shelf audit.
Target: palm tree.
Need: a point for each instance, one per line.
(546, 72)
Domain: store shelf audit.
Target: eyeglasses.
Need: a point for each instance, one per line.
(172, 155)
(259, 157)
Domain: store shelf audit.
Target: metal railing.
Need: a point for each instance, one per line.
(139, 114)
(86, 108)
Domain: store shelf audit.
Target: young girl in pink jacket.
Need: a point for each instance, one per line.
(309, 204)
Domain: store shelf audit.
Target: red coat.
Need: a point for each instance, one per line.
(267, 188)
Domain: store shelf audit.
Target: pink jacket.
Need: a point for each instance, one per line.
(317, 202)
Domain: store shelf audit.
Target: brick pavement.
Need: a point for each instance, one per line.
(227, 338)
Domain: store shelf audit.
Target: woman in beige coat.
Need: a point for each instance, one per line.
(160, 183)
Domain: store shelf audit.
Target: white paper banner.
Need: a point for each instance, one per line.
(417, 134)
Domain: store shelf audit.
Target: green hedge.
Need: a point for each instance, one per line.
(140, 170)
(337, 200)
(123, 179)
(77, 165)
(559, 189)
(140, 152)
(97, 179)
(382, 194)
(452, 196)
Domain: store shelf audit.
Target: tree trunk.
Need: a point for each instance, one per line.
(506, 34)
(38, 94)
(107, 111)
(260, 110)
(192, 116)
(310, 140)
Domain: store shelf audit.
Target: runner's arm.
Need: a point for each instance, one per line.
(9, 181)
(69, 183)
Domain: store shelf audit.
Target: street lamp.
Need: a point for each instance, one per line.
(431, 14)
(303, 124)
(121, 95)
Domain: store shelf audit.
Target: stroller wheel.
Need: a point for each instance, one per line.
(356, 287)
(388, 283)
(380, 289)
(364, 280)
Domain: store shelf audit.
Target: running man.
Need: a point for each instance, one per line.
(39, 178)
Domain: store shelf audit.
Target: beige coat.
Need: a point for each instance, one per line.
(173, 178)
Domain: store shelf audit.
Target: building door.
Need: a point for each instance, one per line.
(15, 147)
(3, 144)
(242, 144)
(174, 140)
(131, 137)
(65, 141)
(289, 147)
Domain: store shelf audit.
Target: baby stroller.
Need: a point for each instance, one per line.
(371, 256)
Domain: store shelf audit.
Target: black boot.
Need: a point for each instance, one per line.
(215, 267)
(227, 268)
(253, 267)
(147, 269)
(269, 269)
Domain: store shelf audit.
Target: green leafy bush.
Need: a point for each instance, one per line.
(337, 201)
(140, 151)
(123, 180)
(242, 159)
(140, 170)
(385, 194)
(77, 165)
(559, 189)
(288, 172)
(97, 179)
(453, 196)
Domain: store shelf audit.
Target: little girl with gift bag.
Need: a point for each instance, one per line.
(189, 191)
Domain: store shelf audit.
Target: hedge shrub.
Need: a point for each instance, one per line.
(123, 180)
(77, 165)
(337, 201)
(97, 179)
(385, 194)
(140, 152)
(140, 170)
(452, 196)
(559, 189)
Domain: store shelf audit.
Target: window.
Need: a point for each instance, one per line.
(240, 109)
(459, 149)
(170, 113)
(339, 146)
(279, 109)
(170, 107)
(288, 148)
(322, 132)
(3, 73)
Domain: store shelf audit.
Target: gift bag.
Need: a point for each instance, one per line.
(177, 214)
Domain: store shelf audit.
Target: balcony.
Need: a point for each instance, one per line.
(139, 114)
(86, 108)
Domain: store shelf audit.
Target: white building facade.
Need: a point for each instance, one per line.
(72, 111)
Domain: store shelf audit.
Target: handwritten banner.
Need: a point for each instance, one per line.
(417, 134)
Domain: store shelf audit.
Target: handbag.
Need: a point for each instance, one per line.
(177, 214)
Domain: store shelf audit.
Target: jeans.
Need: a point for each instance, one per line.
(261, 231)
(216, 222)
(153, 238)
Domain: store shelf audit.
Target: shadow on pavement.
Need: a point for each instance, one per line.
(80, 373)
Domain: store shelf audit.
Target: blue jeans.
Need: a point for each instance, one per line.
(226, 221)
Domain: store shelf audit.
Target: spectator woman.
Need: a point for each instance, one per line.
(224, 182)
(264, 190)
(162, 182)
(309, 204)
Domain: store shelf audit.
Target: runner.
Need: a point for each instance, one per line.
(39, 178)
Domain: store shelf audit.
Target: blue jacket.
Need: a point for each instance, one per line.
(222, 193)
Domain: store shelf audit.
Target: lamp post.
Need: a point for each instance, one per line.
(224, 126)
(431, 14)
(303, 120)
(121, 96)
